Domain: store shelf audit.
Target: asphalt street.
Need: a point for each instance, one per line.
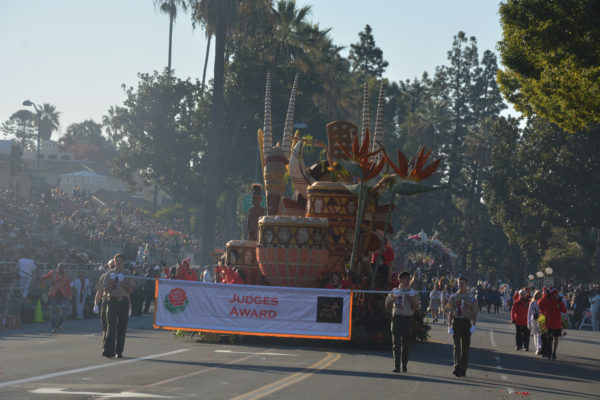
(36, 364)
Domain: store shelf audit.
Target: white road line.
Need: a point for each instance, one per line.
(106, 395)
(503, 377)
(258, 354)
(492, 338)
(499, 367)
(85, 369)
(47, 341)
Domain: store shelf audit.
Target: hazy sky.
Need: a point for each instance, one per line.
(75, 54)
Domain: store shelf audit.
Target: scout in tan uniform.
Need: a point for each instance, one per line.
(101, 294)
(403, 301)
(462, 309)
(118, 289)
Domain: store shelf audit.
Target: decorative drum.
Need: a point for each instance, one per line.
(333, 201)
(292, 251)
(241, 254)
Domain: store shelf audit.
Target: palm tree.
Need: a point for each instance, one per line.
(217, 16)
(209, 34)
(169, 7)
(112, 125)
(48, 121)
(292, 33)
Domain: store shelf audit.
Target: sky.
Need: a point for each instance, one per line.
(77, 54)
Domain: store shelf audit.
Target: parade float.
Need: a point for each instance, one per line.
(330, 224)
(420, 248)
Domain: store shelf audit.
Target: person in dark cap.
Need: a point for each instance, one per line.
(403, 302)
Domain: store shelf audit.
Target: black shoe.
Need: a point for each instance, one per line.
(119, 356)
(554, 356)
(457, 372)
(396, 370)
(526, 349)
(107, 355)
(517, 348)
(404, 369)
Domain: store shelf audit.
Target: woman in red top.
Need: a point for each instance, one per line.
(518, 316)
(551, 307)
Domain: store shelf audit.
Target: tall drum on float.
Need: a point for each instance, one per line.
(331, 200)
(241, 254)
(292, 251)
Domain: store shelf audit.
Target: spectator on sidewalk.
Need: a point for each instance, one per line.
(26, 270)
(80, 288)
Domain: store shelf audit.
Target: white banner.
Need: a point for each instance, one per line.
(253, 310)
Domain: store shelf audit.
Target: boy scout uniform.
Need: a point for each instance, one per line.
(117, 314)
(464, 309)
(402, 314)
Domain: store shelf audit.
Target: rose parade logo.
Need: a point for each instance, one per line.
(176, 301)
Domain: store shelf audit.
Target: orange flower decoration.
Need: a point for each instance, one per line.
(414, 170)
(360, 154)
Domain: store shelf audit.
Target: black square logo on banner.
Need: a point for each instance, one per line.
(329, 309)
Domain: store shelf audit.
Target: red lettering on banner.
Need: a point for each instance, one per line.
(252, 313)
(268, 301)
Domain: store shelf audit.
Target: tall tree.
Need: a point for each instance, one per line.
(291, 30)
(111, 124)
(22, 128)
(48, 120)
(217, 16)
(365, 56)
(544, 186)
(552, 58)
(170, 7)
(163, 124)
(86, 142)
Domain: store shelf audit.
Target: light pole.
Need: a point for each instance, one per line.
(540, 275)
(29, 103)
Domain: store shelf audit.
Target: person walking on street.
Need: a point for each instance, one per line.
(551, 307)
(533, 314)
(403, 302)
(462, 309)
(118, 289)
(102, 296)
(518, 316)
(59, 296)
